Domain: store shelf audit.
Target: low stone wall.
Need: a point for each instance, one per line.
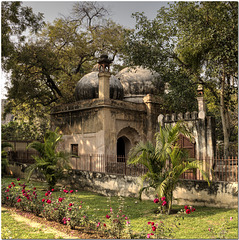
(191, 192)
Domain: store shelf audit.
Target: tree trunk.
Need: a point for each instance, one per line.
(224, 117)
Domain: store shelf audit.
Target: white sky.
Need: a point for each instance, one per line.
(121, 12)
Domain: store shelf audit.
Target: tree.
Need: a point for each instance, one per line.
(165, 161)
(50, 162)
(45, 70)
(195, 39)
(147, 155)
(15, 20)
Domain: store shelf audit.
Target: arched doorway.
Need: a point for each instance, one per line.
(123, 148)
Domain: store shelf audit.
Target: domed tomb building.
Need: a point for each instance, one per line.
(112, 113)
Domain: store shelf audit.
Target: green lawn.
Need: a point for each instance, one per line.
(194, 225)
(19, 230)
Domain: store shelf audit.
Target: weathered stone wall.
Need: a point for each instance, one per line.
(197, 193)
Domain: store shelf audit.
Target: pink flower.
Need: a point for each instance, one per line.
(186, 207)
(18, 179)
(107, 216)
(68, 219)
(76, 190)
(188, 211)
(71, 191)
(148, 235)
(209, 229)
(127, 222)
(231, 218)
(69, 209)
(98, 224)
(156, 200)
(149, 223)
(126, 218)
(164, 203)
(163, 198)
(19, 200)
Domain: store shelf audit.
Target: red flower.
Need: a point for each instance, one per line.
(60, 199)
(71, 191)
(107, 216)
(7, 190)
(48, 201)
(154, 228)
(104, 225)
(164, 203)
(163, 198)
(34, 193)
(19, 200)
(193, 209)
(12, 183)
(70, 204)
(46, 194)
(7, 198)
(152, 223)
(9, 186)
(186, 207)
(52, 189)
(149, 223)
(18, 179)
(34, 188)
(188, 211)
(156, 200)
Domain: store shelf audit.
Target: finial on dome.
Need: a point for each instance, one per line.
(104, 63)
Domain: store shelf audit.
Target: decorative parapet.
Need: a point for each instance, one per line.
(188, 116)
(98, 103)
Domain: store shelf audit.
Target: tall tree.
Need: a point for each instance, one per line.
(15, 20)
(45, 70)
(197, 39)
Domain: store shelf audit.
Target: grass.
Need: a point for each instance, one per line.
(195, 225)
(11, 230)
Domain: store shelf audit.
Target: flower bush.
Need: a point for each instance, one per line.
(67, 211)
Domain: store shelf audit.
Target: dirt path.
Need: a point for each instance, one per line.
(59, 230)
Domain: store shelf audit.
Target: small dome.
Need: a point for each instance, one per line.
(88, 87)
(138, 82)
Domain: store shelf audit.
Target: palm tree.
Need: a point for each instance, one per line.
(147, 155)
(165, 161)
(50, 162)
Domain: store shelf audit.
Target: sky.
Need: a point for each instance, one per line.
(120, 12)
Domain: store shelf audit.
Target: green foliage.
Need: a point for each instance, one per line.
(17, 130)
(46, 69)
(165, 162)
(15, 20)
(4, 159)
(191, 43)
(50, 162)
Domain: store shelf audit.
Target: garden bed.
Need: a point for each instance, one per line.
(203, 223)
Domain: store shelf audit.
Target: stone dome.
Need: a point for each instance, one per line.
(138, 82)
(88, 87)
